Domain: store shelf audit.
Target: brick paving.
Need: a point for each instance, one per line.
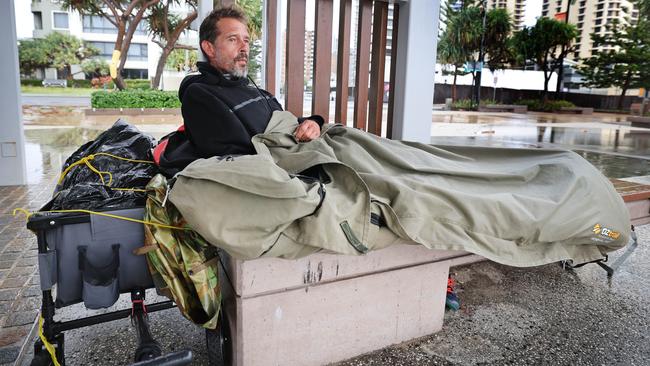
(19, 290)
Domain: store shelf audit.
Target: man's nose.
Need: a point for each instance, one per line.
(244, 47)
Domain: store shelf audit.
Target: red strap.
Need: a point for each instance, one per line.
(160, 149)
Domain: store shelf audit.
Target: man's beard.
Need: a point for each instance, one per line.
(232, 67)
(240, 72)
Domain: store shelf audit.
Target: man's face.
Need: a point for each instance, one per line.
(229, 51)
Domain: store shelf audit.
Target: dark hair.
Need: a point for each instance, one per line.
(209, 30)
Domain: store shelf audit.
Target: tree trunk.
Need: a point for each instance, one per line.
(155, 83)
(545, 93)
(625, 86)
(453, 88)
(119, 40)
(169, 47)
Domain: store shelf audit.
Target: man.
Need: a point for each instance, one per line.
(222, 111)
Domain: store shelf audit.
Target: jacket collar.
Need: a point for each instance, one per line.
(214, 76)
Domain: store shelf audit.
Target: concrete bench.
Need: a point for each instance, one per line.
(55, 82)
(638, 121)
(577, 110)
(325, 308)
(514, 108)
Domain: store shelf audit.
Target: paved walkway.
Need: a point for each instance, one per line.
(54, 100)
(19, 282)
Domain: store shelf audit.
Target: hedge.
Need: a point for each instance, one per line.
(135, 99)
(548, 106)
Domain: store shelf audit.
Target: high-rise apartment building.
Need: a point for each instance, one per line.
(516, 8)
(591, 16)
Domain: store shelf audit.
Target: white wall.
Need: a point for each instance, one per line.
(512, 79)
(12, 146)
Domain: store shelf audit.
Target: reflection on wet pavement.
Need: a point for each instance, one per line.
(53, 133)
(606, 140)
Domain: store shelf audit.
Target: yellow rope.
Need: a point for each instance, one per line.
(29, 214)
(48, 346)
(86, 161)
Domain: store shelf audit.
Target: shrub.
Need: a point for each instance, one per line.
(466, 104)
(549, 106)
(135, 99)
(143, 84)
(79, 83)
(31, 82)
(463, 105)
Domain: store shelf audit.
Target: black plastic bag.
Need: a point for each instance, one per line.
(117, 168)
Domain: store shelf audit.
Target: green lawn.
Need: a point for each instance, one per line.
(57, 91)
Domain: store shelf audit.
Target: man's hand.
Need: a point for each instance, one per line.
(307, 131)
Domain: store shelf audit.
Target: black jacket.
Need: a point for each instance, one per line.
(221, 116)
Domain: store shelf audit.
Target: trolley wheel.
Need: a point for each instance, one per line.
(42, 356)
(42, 359)
(219, 343)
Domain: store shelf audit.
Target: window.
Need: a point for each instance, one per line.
(582, 11)
(597, 30)
(105, 48)
(137, 51)
(38, 20)
(581, 18)
(99, 24)
(582, 3)
(600, 7)
(60, 20)
(576, 55)
(597, 22)
(599, 14)
(135, 74)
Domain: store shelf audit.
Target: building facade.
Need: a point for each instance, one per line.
(516, 8)
(98, 31)
(591, 16)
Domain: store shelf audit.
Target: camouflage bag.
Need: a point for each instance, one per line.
(183, 265)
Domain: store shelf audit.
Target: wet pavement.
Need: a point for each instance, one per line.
(541, 315)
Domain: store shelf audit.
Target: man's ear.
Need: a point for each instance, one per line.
(208, 48)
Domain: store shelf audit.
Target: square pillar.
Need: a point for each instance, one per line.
(415, 70)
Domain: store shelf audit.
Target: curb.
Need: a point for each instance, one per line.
(131, 111)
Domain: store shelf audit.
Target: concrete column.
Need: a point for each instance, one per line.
(415, 69)
(205, 7)
(12, 145)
